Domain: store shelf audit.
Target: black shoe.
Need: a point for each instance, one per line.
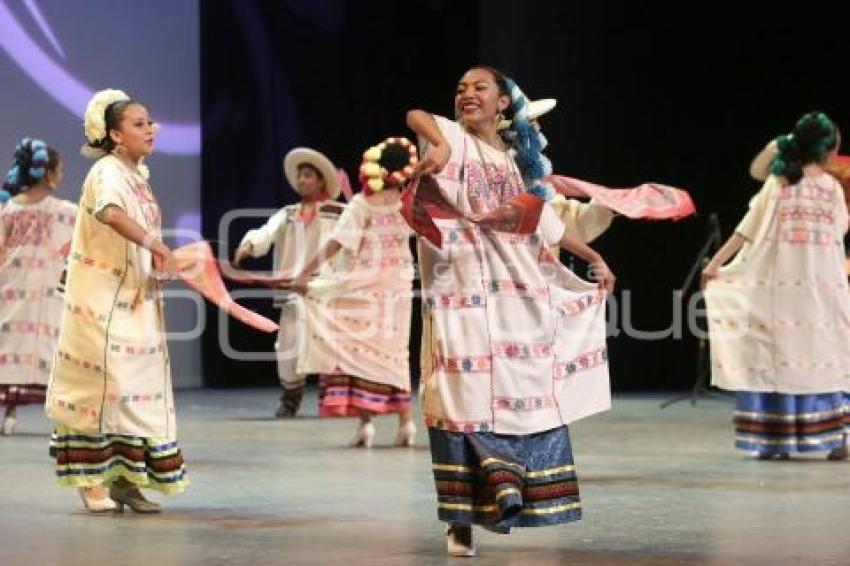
(290, 402)
(837, 454)
(285, 410)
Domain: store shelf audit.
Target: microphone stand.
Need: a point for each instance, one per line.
(703, 365)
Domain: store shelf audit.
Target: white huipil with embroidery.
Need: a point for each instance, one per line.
(34, 241)
(358, 309)
(517, 341)
(112, 372)
(296, 239)
(779, 313)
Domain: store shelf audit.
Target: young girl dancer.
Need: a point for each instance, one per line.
(358, 309)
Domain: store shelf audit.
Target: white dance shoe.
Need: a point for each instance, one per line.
(8, 425)
(364, 436)
(96, 499)
(406, 435)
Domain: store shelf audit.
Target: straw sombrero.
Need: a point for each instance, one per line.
(305, 155)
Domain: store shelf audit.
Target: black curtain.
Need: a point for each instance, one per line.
(645, 92)
(332, 75)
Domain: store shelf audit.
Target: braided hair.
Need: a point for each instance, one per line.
(813, 137)
(33, 160)
(526, 141)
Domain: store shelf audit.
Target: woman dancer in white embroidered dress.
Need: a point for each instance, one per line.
(518, 341)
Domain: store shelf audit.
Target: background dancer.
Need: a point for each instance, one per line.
(297, 232)
(779, 314)
(35, 236)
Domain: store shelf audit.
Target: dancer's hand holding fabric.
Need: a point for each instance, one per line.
(164, 263)
(599, 269)
(711, 271)
(724, 254)
(503, 215)
(434, 160)
(297, 285)
(167, 266)
(242, 252)
(603, 275)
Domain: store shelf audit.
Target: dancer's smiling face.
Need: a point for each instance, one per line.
(478, 99)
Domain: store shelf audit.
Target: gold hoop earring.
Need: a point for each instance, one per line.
(120, 149)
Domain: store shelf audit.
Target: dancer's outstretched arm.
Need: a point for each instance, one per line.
(760, 167)
(601, 272)
(299, 284)
(131, 230)
(724, 254)
(439, 151)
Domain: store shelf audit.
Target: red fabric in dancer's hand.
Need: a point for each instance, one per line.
(519, 215)
(199, 269)
(423, 201)
(650, 201)
(419, 214)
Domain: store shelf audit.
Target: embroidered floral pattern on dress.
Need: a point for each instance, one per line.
(585, 361)
(457, 301)
(520, 350)
(464, 364)
(524, 404)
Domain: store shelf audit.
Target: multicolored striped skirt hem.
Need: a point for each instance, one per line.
(87, 460)
(779, 423)
(503, 481)
(346, 395)
(22, 394)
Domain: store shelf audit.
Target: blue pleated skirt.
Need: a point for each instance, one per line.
(504, 481)
(778, 423)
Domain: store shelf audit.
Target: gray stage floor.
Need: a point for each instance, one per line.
(658, 487)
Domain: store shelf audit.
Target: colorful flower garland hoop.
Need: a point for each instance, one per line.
(374, 177)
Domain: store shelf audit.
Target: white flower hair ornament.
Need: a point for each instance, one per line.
(94, 120)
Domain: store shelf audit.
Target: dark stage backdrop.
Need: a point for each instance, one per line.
(644, 92)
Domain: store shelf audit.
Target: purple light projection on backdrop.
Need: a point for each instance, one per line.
(173, 138)
(35, 12)
(187, 228)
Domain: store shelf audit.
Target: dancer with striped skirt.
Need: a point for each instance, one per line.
(358, 308)
(110, 392)
(516, 340)
(779, 313)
